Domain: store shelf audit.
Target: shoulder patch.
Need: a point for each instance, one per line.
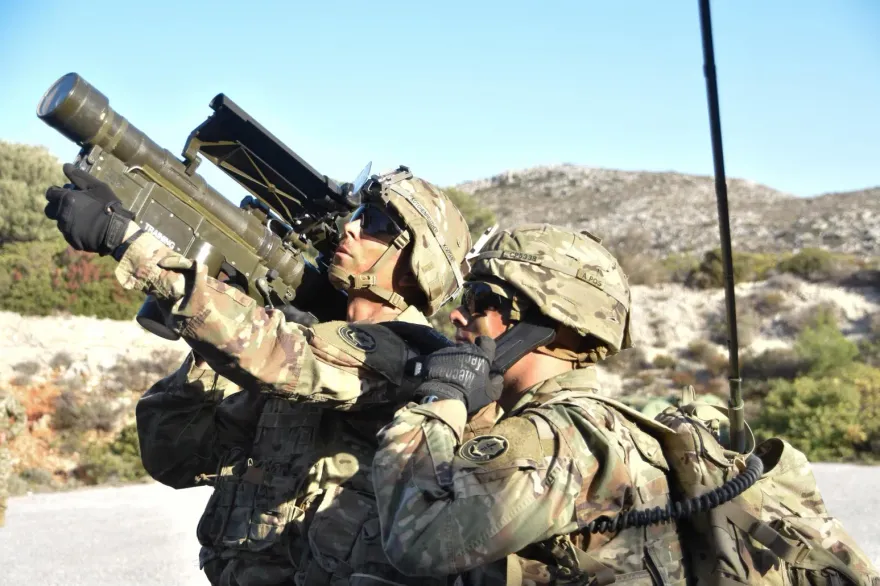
(357, 338)
(484, 448)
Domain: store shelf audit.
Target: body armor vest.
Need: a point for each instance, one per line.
(649, 556)
(298, 507)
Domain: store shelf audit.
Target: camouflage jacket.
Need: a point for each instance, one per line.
(12, 416)
(251, 346)
(289, 454)
(559, 460)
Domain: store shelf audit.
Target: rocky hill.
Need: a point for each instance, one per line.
(678, 213)
(79, 377)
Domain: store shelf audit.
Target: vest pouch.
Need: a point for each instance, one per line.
(787, 499)
(336, 526)
(219, 511)
(778, 532)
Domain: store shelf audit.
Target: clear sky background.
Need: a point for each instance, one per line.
(465, 90)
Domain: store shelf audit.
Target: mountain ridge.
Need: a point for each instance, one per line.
(677, 212)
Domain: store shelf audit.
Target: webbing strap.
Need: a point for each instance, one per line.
(603, 574)
(800, 555)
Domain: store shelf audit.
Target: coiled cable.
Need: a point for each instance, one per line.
(681, 510)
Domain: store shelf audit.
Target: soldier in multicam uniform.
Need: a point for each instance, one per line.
(290, 454)
(12, 422)
(509, 504)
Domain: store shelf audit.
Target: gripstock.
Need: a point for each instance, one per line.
(275, 246)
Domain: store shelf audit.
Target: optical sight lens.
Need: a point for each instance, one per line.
(56, 94)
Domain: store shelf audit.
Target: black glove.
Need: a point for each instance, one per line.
(89, 214)
(461, 372)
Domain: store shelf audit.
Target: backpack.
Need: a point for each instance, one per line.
(774, 531)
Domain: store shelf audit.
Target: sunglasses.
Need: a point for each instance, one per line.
(480, 297)
(376, 221)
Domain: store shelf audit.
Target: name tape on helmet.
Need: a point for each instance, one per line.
(447, 252)
(573, 269)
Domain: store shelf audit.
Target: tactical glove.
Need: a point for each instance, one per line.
(89, 214)
(461, 372)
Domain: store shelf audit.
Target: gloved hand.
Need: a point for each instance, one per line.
(461, 372)
(90, 216)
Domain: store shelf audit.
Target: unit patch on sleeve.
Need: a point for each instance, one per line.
(484, 448)
(357, 338)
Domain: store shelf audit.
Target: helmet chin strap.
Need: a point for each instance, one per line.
(346, 280)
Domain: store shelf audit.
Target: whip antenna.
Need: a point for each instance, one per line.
(737, 419)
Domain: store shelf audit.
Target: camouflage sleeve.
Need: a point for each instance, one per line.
(447, 508)
(189, 419)
(248, 344)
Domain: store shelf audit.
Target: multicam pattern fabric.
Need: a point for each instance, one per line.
(568, 275)
(777, 532)
(570, 459)
(289, 454)
(12, 421)
(440, 237)
(250, 345)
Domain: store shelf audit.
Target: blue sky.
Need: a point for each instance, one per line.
(465, 90)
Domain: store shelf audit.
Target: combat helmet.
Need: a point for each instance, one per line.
(434, 228)
(568, 276)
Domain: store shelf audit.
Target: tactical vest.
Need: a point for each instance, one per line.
(777, 531)
(646, 556)
(298, 508)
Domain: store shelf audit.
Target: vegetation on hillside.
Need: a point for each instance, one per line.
(822, 394)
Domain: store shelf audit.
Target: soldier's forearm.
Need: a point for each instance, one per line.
(246, 343)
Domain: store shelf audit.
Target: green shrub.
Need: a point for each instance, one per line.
(678, 266)
(818, 416)
(76, 412)
(62, 360)
(699, 350)
(119, 461)
(830, 417)
(796, 321)
(869, 352)
(812, 264)
(774, 363)
(25, 173)
(767, 303)
(29, 367)
(664, 361)
(747, 266)
(478, 216)
(633, 251)
(823, 347)
(42, 278)
(139, 374)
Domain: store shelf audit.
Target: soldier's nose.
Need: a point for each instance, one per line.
(457, 317)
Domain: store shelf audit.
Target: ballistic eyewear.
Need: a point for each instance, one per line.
(376, 221)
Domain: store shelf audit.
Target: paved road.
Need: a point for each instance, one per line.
(145, 535)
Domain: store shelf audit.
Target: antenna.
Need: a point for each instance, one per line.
(735, 403)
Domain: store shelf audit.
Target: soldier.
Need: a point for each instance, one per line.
(569, 486)
(12, 422)
(558, 457)
(289, 456)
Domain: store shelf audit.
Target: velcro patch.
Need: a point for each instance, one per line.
(512, 442)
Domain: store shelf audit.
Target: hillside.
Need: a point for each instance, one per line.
(809, 324)
(678, 213)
